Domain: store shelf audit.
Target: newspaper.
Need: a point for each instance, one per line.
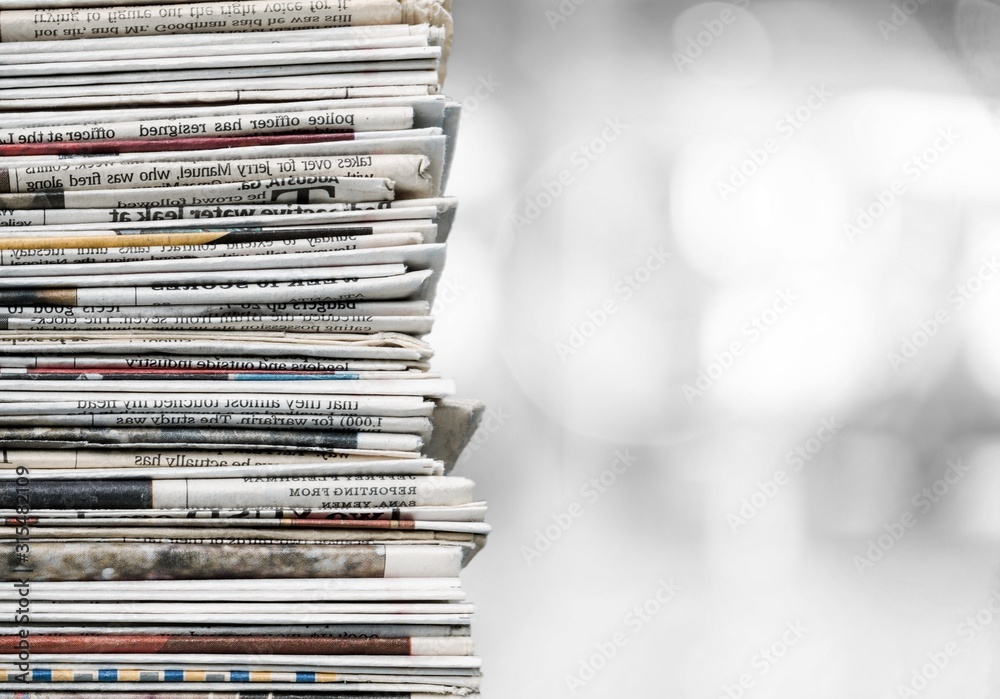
(246, 536)
(384, 346)
(200, 677)
(97, 223)
(284, 323)
(329, 284)
(325, 492)
(90, 247)
(171, 90)
(332, 588)
(243, 278)
(420, 86)
(403, 425)
(184, 18)
(224, 452)
(409, 173)
(366, 467)
(256, 44)
(179, 41)
(301, 71)
(122, 81)
(392, 517)
(366, 262)
(309, 662)
(470, 536)
(243, 363)
(48, 611)
(39, 152)
(304, 189)
(222, 691)
(381, 81)
(77, 461)
(87, 248)
(206, 436)
(305, 630)
(89, 561)
(291, 55)
(47, 642)
(429, 143)
(89, 258)
(48, 223)
(328, 385)
(243, 310)
(183, 341)
(315, 121)
(209, 67)
(428, 113)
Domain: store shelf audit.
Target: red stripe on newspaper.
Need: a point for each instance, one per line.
(221, 645)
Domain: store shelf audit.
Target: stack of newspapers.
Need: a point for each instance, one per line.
(224, 455)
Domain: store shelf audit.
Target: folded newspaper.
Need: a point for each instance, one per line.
(224, 455)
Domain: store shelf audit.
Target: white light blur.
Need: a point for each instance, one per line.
(790, 210)
(814, 356)
(982, 332)
(474, 185)
(973, 508)
(898, 135)
(722, 42)
(597, 373)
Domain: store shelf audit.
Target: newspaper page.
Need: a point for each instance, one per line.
(70, 22)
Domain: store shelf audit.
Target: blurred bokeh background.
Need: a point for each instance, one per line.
(728, 277)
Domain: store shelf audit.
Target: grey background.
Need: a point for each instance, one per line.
(842, 563)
